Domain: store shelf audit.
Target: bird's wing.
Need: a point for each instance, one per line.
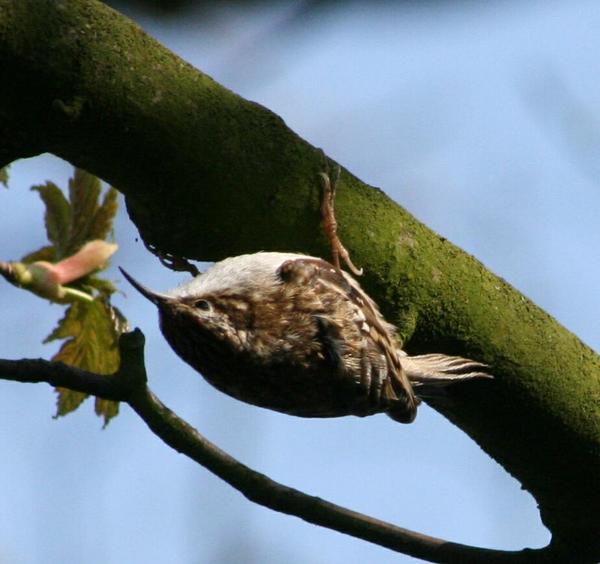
(343, 301)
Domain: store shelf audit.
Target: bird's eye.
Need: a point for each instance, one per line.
(204, 305)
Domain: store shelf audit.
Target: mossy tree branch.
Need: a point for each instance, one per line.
(201, 169)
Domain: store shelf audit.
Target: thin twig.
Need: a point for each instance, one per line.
(129, 385)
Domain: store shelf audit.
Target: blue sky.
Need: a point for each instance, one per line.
(479, 118)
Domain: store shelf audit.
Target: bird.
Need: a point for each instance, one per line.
(297, 334)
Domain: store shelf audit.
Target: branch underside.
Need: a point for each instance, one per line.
(99, 92)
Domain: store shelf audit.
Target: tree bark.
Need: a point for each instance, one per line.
(207, 174)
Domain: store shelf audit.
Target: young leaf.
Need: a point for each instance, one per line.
(67, 272)
(45, 254)
(101, 225)
(57, 217)
(4, 175)
(90, 331)
(104, 287)
(91, 257)
(49, 280)
(84, 191)
(107, 409)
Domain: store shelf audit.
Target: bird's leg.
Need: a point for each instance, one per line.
(329, 222)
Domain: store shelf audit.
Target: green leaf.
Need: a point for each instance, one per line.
(66, 326)
(57, 217)
(4, 175)
(91, 343)
(68, 401)
(106, 408)
(103, 218)
(77, 228)
(91, 330)
(84, 191)
(45, 253)
(104, 287)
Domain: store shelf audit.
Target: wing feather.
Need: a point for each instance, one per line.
(348, 315)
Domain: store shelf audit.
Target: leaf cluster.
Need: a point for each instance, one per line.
(90, 327)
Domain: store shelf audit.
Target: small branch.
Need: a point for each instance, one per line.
(129, 385)
(61, 375)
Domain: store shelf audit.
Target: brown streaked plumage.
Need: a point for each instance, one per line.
(297, 334)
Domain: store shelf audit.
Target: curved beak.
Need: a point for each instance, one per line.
(156, 298)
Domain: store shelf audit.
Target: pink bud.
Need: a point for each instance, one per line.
(90, 257)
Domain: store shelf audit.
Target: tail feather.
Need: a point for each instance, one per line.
(429, 374)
